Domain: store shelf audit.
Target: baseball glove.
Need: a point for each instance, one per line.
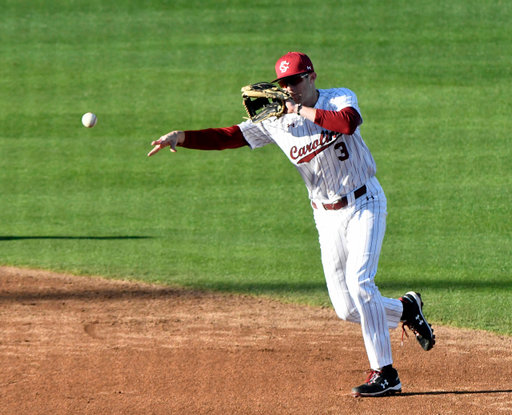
(264, 100)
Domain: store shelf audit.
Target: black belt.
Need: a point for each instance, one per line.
(340, 204)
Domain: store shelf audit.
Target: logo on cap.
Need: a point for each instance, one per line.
(284, 66)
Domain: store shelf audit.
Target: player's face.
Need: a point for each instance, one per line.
(301, 87)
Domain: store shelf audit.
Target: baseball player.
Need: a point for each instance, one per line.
(320, 135)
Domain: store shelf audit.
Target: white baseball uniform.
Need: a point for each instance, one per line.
(334, 165)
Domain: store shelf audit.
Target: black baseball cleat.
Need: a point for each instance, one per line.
(413, 318)
(379, 383)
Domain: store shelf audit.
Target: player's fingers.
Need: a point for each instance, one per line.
(159, 144)
(164, 141)
(154, 151)
(290, 105)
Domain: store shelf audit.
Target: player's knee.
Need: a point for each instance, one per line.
(362, 289)
(348, 315)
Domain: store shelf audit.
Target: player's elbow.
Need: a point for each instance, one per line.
(351, 129)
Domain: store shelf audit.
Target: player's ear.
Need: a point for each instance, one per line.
(312, 76)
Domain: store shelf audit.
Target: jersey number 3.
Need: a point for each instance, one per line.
(342, 147)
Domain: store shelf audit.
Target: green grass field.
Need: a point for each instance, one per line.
(433, 82)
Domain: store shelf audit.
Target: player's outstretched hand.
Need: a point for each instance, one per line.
(171, 140)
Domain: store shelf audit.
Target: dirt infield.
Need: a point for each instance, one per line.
(76, 345)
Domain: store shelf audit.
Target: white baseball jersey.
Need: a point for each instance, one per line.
(331, 164)
(334, 165)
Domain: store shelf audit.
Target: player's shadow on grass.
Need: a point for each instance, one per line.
(92, 292)
(98, 238)
(454, 392)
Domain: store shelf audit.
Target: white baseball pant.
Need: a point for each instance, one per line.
(350, 241)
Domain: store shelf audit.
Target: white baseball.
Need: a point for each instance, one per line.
(89, 120)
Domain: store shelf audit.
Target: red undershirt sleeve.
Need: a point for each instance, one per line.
(214, 138)
(345, 121)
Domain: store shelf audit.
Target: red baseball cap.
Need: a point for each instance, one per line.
(291, 64)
